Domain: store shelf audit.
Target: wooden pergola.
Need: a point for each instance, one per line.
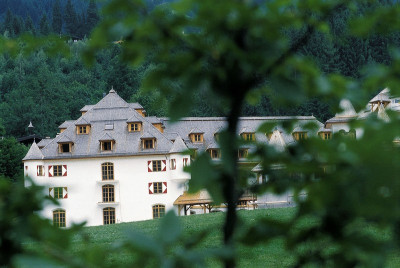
(203, 200)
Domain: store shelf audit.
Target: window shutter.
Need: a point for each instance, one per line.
(150, 188)
(51, 192)
(50, 171)
(149, 166)
(64, 170)
(65, 192)
(164, 188)
(164, 165)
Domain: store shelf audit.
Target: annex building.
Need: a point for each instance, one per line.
(115, 164)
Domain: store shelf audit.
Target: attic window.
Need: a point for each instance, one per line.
(196, 137)
(243, 153)
(325, 135)
(300, 135)
(65, 147)
(106, 145)
(249, 136)
(148, 143)
(109, 127)
(215, 153)
(84, 129)
(134, 127)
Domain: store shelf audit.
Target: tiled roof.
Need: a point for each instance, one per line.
(66, 124)
(34, 153)
(109, 117)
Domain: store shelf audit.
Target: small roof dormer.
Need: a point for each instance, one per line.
(248, 134)
(65, 144)
(107, 143)
(82, 126)
(299, 133)
(148, 141)
(196, 135)
(134, 124)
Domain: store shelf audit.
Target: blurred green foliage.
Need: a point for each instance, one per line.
(235, 51)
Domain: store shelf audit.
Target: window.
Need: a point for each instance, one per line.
(172, 164)
(185, 162)
(108, 193)
(325, 135)
(57, 171)
(107, 171)
(148, 143)
(156, 165)
(215, 153)
(157, 187)
(158, 211)
(134, 127)
(300, 136)
(197, 137)
(106, 145)
(249, 136)
(59, 218)
(108, 216)
(65, 147)
(82, 130)
(58, 192)
(243, 153)
(40, 170)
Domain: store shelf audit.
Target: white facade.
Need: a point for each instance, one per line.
(132, 199)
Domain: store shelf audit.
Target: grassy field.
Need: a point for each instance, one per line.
(272, 254)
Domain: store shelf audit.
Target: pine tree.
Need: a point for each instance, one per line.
(17, 25)
(44, 26)
(70, 19)
(29, 25)
(57, 17)
(8, 23)
(92, 16)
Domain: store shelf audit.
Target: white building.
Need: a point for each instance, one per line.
(114, 164)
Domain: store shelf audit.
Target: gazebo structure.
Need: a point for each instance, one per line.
(203, 200)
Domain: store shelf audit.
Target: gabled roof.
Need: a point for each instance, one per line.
(382, 96)
(86, 108)
(44, 142)
(34, 153)
(135, 105)
(196, 131)
(66, 124)
(147, 135)
(106, 137)
(81, 121)
(135, 118)
(64, 139)
(153, 120)
(179, 146)
(382, 113)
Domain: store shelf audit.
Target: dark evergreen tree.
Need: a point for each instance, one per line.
(92, 16)
(17, 25)
(70, 19)
(44, 26)
(57, 17)
(8, 23)
(29, 27)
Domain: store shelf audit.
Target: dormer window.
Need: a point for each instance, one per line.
(134, 127)
(300, 135)
(325, 135)
(106, 145)
(148, 143)
(65, 147)
(83, 129)
(196, 137)
(142, 112)
(215, 153)
(243, 153)
(216, 136)
(249, 136)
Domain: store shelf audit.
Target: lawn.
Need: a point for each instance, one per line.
(271, 254)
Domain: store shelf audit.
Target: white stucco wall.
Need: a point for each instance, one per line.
(131, 179)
